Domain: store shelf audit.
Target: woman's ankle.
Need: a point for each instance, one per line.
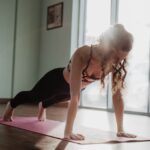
(8, 112)
(41, 112)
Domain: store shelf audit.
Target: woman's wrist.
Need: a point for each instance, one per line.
(67, 135)
(120, 130)
(120, 127)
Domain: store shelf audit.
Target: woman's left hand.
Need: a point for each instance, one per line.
(127, 135)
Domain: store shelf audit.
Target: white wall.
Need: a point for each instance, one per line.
(27, 44)
(55, 47)
(20, 28)
(7, 23)
(27, 49)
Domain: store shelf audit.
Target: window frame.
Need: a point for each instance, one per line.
(81, 40)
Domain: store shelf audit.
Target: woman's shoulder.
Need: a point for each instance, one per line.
(83, 52)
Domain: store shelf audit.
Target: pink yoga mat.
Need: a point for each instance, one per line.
(55, 129)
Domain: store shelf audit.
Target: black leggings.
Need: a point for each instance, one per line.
(50, 89)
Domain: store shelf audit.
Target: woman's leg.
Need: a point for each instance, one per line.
(41, 112)
(57, 98)
(41, 90)
(50, 101)
(58, 89)
(8, 112)
(20, 98)
(23, 97)
(47, 87)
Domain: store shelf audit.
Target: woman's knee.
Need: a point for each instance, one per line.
(21, 98)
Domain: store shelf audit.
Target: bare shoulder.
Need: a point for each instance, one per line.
(83, 52)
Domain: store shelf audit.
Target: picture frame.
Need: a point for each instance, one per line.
(55, 16)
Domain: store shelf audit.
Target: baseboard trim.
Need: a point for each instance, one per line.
(4, 100)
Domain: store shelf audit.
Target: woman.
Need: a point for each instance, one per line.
(88, 64)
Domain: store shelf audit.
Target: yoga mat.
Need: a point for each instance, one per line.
(55, 129)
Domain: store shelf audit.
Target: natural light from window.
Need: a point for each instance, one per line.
(97, 20)
(134, 15)
(137, 20)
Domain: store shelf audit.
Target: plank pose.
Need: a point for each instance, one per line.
(88, 64)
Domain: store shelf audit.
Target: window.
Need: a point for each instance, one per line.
(135, 17)
(97, 19)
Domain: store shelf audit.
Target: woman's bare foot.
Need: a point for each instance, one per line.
(41, 113)
(7, 116)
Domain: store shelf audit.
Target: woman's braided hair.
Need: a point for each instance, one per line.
(114, 39)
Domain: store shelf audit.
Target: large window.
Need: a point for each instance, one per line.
(135, 17)
(97, 19)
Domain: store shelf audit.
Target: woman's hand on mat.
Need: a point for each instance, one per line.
(124, 134)
(74, 137)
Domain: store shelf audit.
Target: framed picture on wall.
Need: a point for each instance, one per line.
(55, 16)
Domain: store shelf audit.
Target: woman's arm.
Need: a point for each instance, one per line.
(75, 86)
(119, 110)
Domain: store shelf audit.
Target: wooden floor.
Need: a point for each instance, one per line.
(16, 139)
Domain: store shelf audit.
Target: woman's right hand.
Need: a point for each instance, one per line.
(74, 137)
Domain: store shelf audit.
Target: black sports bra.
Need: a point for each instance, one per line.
(85, 75)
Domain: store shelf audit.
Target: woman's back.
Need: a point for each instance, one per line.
(92, 59)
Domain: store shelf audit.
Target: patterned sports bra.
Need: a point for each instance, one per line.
(85, 77)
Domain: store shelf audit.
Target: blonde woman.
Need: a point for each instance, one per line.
(88, 64)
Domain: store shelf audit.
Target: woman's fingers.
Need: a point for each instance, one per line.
(130, 135)
(77, 137)
(81, 136)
